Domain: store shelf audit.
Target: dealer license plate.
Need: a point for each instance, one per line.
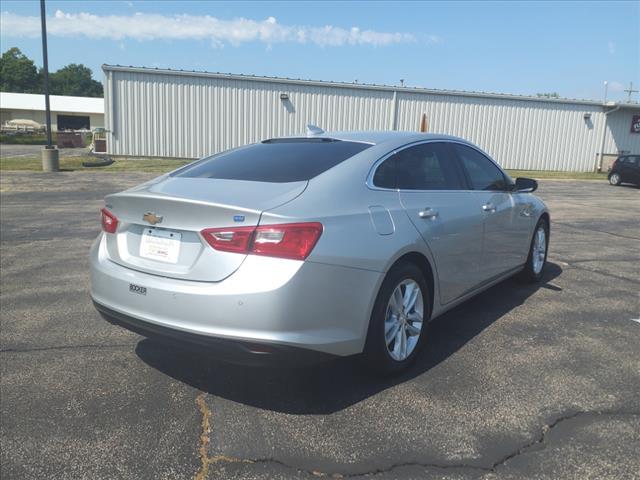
(162, 245)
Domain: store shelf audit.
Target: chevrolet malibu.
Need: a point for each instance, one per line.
(321, 245)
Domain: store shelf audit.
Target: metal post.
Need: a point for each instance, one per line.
(606, 113)
(50, 162)
(394, 111)
(424, 127)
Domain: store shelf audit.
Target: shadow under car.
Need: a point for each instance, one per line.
(332, 386)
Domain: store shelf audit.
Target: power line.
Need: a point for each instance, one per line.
(630, 91)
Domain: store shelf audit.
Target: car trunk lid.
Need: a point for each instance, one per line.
(159, 224)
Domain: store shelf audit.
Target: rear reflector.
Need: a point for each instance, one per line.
(288, 240)
(109, 221)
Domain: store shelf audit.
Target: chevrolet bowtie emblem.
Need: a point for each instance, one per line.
(152, 218)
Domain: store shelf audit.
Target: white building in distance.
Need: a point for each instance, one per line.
(67, 113)
(167, 113)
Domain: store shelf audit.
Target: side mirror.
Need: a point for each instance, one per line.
(525, 185)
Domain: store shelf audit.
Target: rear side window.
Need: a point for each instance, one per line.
(428, 166)
(275, 161)
(483, 173)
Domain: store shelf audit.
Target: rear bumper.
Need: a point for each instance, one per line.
(233, 351)
(282, 304)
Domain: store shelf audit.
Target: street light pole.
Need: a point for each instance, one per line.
(50, 162)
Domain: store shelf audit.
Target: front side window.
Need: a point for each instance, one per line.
(427, 166)
(483, 173)
(277, 161)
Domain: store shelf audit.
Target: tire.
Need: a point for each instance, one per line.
(388, 358)
(105, 162)
(534, 268)
(614, 179)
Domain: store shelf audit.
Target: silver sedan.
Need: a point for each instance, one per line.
(329, 244)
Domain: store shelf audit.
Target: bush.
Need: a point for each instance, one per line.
(26, 139)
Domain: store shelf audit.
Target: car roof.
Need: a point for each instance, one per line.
(381, 137)
(378, 137)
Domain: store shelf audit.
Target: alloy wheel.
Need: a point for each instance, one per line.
(539, 250)
(403, 319)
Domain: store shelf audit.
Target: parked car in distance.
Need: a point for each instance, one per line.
(330, 244)
(625, 169)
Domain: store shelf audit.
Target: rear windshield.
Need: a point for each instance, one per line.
(277, 161)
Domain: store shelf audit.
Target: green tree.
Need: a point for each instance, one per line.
(18, 73)
(74, 79)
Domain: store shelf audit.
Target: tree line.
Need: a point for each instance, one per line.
(19, 74)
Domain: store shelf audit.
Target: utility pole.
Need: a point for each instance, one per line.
(630, 91)
(50, 161)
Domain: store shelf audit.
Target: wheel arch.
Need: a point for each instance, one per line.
(427, 270)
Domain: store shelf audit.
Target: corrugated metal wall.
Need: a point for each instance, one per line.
(518, 134)
(180, 116)
(176, 114)
(619, 136)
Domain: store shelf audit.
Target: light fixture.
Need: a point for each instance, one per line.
(587, 116)
(284, 96)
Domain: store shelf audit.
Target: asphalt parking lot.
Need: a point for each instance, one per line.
(520, 382)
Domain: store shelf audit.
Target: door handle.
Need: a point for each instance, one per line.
(489, 207)
(428, 213)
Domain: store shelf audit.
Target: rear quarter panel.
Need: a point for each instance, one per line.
(341, 201)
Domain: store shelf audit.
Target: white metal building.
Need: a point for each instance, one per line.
(67, 113)
(166, 113)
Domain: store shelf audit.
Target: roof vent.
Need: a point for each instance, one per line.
(313, 130)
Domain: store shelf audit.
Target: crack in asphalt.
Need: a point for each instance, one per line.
(539, 441)
(599, 272)
(66, 347)
(203, 472)
(584, 205)
(582, 227)
(206, 460)
(599, 260)
(574, 264)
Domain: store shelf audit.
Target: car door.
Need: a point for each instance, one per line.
(507, 216)
(432, 193)
(622, 167)
(633, 165)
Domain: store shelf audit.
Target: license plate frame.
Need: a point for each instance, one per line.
(160, 245)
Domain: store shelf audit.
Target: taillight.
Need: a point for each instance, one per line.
(232, 239)
(287, 240)
(109, 221)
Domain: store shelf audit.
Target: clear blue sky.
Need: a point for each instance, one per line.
(517, 47)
